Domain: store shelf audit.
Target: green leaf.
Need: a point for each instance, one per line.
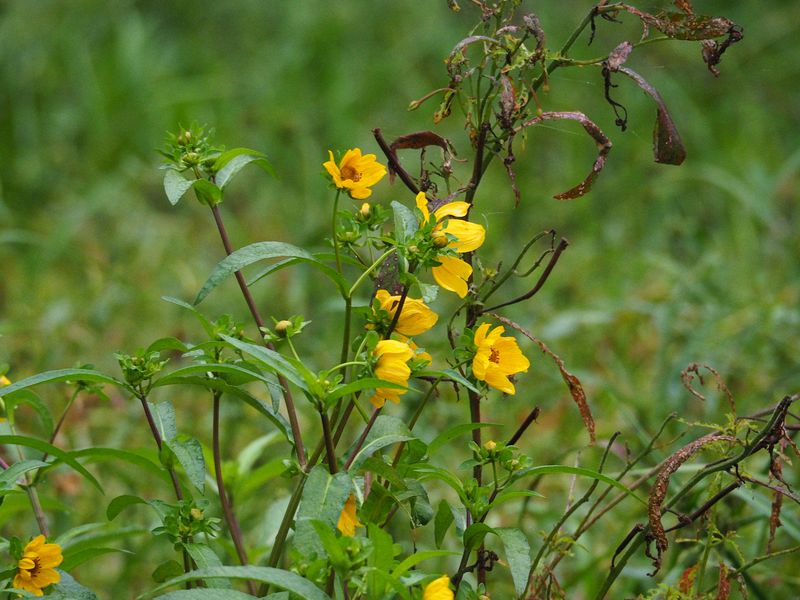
(386, 431)
(209, 594)
(31, 399)
(167, 570)
(60, 375)
(167, 343)
(546, 469)
(416, 558)
(101, 454)
(452, 433)
(323, 498)
(270, 359)
(405, 222)
(220, 385)
(120, 503)
(229, 163)
(207, 326)
(189, 453)
(367, 383)
(330, 542)
(41, 446)
(442, 522)
(207, 192)
(275, 577)
(204, 557)
(509, 495)
(254, 253)
(518, 555)
(329, 272)
(9, 477)
(426, 471)
(69, 589)
(474, 535)
(175, 185)
(164, 416)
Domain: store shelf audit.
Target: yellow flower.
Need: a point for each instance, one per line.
(348, 521)
(392, 358)
(415, 318)
(4, 381)
(355, 173)
(498, 356)
(438, 589)
(452, 273)
(35, 570)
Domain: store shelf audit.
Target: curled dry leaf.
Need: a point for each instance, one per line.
(692, 371)
(603, 147)
(661, 486)
(723, 585)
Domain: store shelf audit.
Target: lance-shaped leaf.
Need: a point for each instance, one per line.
(274, 577)
(176, 185)
(386, 431)
(231, 162)
(518, 555)
(323, 498)
(668, 147)
(603, 147)
(262, 251)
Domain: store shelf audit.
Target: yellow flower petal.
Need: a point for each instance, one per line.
(422, 205)
(452, 209)
(438, 589)
(35, 569)
(348, 520)
(497, 356)
(469, 236)
(355, 173)
(415, 318)
(452, 274)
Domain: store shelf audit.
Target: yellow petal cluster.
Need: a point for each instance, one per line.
(463, 236)
(393, 357)
(438, 589)
(36, 568)
(415, 317)
(498, 356)
(355, 173)
(348, 521)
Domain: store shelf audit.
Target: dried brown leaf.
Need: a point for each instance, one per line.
(723, 585)
(686, 582)
(661, 486)
(603, 146)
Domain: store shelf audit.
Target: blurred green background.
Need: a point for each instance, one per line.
(666, 265)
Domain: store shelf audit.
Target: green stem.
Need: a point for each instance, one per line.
(334, 239)
(227, 509)
(371, 268)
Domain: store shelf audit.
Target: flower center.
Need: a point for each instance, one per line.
(494, 356)
(349, 172)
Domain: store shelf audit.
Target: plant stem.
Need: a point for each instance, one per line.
(333, 232)
(248, 297)
(227, 509)
(362, 438)
(176, 484)
(326, 434)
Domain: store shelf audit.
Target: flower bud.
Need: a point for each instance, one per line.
(490, 445)
(439, 239)
(191, 158)
(365, 211)
(281, 327)
(197, 514)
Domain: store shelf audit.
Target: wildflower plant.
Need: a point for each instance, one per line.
(359, 521)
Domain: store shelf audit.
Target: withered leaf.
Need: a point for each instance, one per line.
(668, 147)
(603, 147)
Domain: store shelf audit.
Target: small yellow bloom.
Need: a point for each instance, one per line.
(452, 273)
(35, 570)
(4, 381)
(438, 589)
(393, 357)
(355, 173)
(415, 318)
(348, 521)
(498, 356)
